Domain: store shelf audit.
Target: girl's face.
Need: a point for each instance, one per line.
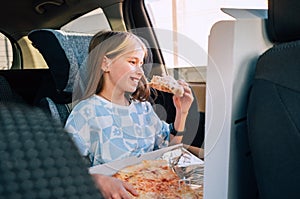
(126, 71)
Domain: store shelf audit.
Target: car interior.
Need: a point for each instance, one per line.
(44, 84)
(47, 49)
(244, 116)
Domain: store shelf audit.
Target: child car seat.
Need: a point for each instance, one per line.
(65, 53)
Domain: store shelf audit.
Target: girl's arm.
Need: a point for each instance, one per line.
(182, 105)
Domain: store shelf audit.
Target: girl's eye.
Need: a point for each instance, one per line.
(135, 62)
(132, 62)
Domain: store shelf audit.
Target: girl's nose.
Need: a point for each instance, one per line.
(140, 70)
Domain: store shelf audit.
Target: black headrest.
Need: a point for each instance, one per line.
(64, 53)
(283, 23)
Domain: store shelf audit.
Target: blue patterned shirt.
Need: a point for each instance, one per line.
(106, 132)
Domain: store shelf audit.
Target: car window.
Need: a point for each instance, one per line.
(32, 59)
(91, 22)
(183, 27)
(6, 53)
(25, 57)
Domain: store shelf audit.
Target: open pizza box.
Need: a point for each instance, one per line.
(183, 161)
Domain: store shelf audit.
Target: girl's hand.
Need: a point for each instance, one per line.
(183, 104)
(113, 188)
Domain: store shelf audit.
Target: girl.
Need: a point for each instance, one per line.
(113, 119)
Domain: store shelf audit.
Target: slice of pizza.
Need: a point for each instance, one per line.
(155, 179)
(167, 84)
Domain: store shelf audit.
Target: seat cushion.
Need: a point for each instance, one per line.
(38, 158)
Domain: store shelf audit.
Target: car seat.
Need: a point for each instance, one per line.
(65, 53)
(274, 106)
(38, 158)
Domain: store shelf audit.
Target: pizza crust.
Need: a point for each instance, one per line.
(167, 84)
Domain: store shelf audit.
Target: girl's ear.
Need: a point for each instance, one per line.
(106, 64)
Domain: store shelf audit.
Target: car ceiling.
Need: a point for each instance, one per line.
(18, 17)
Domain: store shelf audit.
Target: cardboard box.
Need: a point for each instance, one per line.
(167, 152)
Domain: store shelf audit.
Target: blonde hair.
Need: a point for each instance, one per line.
(112, 44)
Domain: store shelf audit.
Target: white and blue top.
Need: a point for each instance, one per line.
(106, 132)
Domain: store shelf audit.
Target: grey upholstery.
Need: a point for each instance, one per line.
(274, 106)
(65, 53)
(38, 160)
(58, 111)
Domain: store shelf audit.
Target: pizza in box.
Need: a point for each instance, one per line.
(155, 179)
